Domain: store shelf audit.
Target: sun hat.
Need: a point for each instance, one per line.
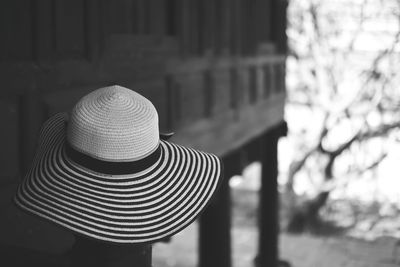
(102, 171)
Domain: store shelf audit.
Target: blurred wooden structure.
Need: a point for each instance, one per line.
(215, 70)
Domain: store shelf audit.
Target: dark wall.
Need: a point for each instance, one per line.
(59, 29)
(192, 58)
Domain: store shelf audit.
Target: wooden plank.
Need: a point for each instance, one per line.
(244, 82)
(234, 87)
(195, 28)
(141, 17)
(201, 33)
(135, 21)
(252, 84)
(92, 29)
(226, 25)
(157, 17)
(252, 27)
(263, 20)
(16, 30)
(236, 126)
(267, 81)
(70, 29)
(44, 41)
(236, 32)
(118, 16)
(200, 64)
(102, 25)
(280, 77)
(273, 79)
(209, 92)
(260, 81)
(171, 17)
(185, 27)
(218, 29)
(209, 26)
(222, 91)
(244, 7)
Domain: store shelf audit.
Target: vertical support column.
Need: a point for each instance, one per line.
(215, 223)
(209, 26)
(184, 27)
(252, 27)
(244, 20)
(88, 252)
(235, 33)
(226, 6)
(157, 17)
(195, 27)
(263, 23)
(268, 214)
(92, 39)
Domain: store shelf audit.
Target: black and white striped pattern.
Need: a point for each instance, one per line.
(137, 208)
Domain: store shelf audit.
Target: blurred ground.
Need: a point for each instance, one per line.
(300, 250)
(306, 251)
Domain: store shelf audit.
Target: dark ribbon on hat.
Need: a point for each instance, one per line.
(111, 167)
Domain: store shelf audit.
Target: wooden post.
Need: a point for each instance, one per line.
(89, 252)
(215, 223)
(268, 215)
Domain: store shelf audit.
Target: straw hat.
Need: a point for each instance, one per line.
(104, 172)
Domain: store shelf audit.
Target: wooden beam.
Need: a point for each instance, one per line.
(92, 34)
(228, 131)
(201, 64)
(226, 25)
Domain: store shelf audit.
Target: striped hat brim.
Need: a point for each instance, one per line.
(141, 207)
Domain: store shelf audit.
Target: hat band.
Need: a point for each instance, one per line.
(108, 167)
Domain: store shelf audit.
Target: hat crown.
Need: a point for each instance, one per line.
(114, 124)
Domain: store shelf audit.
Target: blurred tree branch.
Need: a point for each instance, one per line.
(345, 85)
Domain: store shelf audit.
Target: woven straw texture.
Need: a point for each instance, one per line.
(141, 207)
(114, 124)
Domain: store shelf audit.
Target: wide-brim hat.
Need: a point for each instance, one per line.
(103, 172)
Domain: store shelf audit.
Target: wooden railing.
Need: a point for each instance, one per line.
(215, 224)
(220, 105)
(232, 107)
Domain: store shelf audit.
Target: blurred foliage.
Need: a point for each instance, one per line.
(343, 80)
